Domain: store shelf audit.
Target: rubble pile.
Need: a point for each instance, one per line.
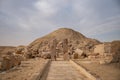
(63, 42)
(9, 61)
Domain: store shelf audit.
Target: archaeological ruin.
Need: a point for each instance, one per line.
(62, 46)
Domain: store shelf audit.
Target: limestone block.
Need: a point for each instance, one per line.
(46, 55)
(75, 56)
(99, 49)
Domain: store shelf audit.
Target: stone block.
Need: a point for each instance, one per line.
(75, 56)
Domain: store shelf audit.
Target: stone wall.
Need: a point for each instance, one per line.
(99, 49)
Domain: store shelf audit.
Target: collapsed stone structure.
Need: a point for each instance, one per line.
(102, 52)
(22, 51)
(67, 43)
(12, 59)
(107, 52)
(9, 61)
(103, 49)
(53, 48)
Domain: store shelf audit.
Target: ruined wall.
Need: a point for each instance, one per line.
(53, 49)
(99, 49)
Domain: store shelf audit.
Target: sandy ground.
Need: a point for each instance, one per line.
(25, 71)
(106, 71)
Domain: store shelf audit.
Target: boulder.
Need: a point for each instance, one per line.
(46, 55)
(10, 60)
(75, 56)
(79, 51)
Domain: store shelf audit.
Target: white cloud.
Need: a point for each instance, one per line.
(96, 17)
(106, 26)
(39, 17)
(45, 7)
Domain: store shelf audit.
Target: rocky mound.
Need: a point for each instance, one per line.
(75, 38)
(6, 49)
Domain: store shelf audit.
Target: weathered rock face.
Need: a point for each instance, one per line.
(74, 38)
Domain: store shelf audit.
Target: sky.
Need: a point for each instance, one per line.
(23, 21)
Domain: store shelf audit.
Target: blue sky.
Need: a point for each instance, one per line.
(22, 21)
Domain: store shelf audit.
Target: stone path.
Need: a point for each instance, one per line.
(63, 70)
